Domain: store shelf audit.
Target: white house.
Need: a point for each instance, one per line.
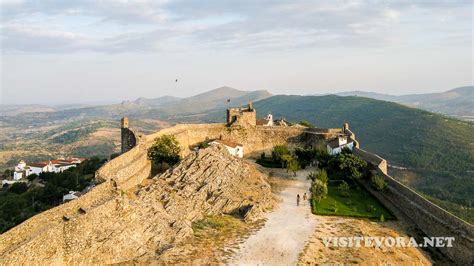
(53, 166)
(59, 166)
(266, 122)
(21, 171)
(38, 168)
(335, 147)
(234, 149)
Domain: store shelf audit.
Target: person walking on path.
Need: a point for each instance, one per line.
(298, 200)
(305, 199)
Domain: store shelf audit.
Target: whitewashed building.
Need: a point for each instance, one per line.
(21, 171)
(234, 149)
(52, 166)
(266, 122)
(335, 147)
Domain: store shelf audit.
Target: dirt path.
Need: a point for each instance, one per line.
(282, 238)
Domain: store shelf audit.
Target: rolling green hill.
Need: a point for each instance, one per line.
(458, 102)
(438, 149)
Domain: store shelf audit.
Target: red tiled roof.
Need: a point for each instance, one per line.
(262, 122)
(41, 164)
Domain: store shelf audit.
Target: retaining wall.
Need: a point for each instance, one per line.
(427, 216)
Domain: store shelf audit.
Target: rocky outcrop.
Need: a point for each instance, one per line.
(145, 223)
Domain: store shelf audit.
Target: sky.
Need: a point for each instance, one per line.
(61, 52)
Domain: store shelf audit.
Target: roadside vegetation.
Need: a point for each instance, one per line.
(23, 200)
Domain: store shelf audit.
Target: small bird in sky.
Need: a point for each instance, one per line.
(176, 80)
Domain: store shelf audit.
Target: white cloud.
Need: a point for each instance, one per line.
(391, 14)
(148, 26)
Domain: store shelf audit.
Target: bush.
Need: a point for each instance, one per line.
(319, 175)
(319, 190)
(203, 145)
(378, 182)
(306, 123)
(293, 166)
(344, 189)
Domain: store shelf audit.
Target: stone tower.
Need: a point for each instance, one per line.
(245, 116)
(345, 127)
(127, 135)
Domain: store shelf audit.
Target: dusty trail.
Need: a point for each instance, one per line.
(282, 238)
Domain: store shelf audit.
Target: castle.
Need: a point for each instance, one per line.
(242, 116)
(127, 171)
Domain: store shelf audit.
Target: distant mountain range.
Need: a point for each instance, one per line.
(457, 102)
(162, 108)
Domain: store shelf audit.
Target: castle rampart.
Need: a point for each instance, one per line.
(427, 216)
(132, 167)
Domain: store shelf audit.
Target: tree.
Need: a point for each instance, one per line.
(32, 177)
(278, 152)
(319, 190)
(305, 156)
(321, 175)
(286, 158)
(349, 165)
(18, 188)
(165, 149)
(322, 156)
(306, 123)
(293, 166)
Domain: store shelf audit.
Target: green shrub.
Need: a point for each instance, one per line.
(378, 182)
(306, 123)
(344, 189)
(166, 149)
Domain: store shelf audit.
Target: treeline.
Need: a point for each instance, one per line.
(22, 200)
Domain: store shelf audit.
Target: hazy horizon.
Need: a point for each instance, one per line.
(116, 101)
(109, 51)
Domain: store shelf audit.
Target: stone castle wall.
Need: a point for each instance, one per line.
(427, 216)
(133, 166)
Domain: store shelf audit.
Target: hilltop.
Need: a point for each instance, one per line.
(458, 102)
